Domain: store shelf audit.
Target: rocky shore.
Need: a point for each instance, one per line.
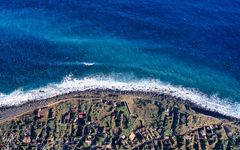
(8, 112)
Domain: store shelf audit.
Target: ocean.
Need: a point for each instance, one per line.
(187, 48)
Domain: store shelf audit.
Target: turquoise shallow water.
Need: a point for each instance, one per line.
(184, 43)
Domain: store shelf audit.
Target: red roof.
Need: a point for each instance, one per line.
(80, 113)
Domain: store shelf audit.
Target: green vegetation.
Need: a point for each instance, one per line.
(99, 140)
(167, 131)
(96, 114)
(51, 124)
(100, 123)
(123, 109)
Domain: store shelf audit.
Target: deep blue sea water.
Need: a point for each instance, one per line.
(194, 44)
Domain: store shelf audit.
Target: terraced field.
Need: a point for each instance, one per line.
(118, 122)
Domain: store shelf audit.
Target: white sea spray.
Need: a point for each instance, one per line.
(70, 84)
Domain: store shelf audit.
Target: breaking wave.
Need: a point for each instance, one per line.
(70, 84)
(76, 63)
(88, 63)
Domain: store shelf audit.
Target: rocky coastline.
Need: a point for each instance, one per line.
(8, 112)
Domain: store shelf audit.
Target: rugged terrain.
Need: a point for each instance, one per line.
(116, 120)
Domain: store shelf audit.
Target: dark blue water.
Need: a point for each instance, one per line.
(189, 43)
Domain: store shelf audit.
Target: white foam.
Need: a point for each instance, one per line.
(88, 63)
(76, 63)
(70, 84)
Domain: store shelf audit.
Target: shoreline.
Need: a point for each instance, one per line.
(70, 85)
(10, 112)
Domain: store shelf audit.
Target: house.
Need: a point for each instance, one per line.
(188, 137)
(39, 113)
(81, 115)
(109, 146)
(115, 104)
(109, 102)
(166, 137)
(27, 139)
(168, 112)
(89, 140)
(132, 136)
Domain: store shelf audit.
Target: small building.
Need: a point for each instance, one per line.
(27, 139)
(89, 140)
(168, 112)
(123, 137)
(188, 137)
(132, 136)
(81, 115)
(115, 104)
(109, 146)
(166, 137)
(109, 102)
(39, 113)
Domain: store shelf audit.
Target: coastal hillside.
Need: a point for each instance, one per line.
(119, 74)
(119, 120)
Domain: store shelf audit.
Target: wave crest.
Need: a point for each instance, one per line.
(76, 63)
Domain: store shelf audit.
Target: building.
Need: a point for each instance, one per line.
(132, 136)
